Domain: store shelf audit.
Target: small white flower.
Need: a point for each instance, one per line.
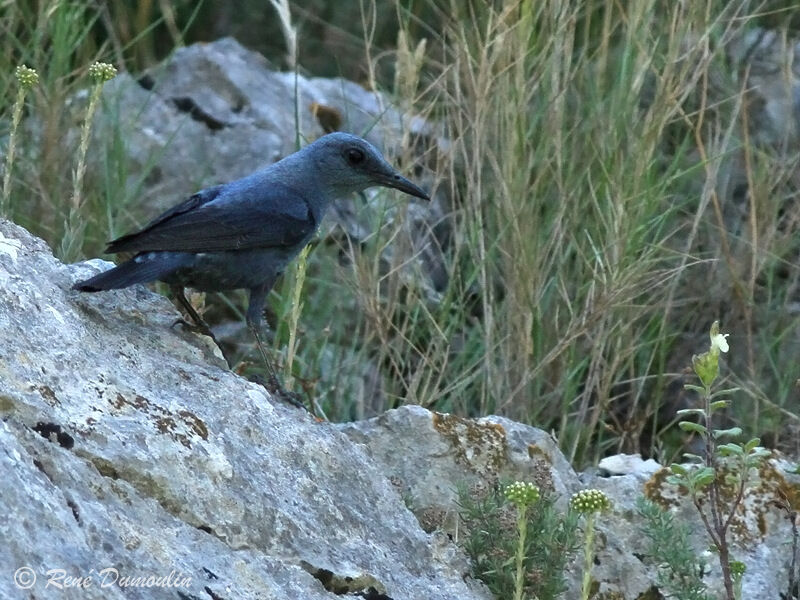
(719, 342)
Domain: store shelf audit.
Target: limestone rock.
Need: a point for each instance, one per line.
(126, 444)
(130, 452)
(430, 456)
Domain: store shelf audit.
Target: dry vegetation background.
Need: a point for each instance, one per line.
(615, 184)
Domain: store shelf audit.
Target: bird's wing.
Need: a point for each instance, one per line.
(194, 201)
(248, 219)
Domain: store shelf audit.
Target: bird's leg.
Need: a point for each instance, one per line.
(271, 373)
(199, 326)
(255, 308)
(273, 384)
(199, 323)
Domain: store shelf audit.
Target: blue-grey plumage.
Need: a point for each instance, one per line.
(243, 234)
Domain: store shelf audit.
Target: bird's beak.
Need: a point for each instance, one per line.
(399, 182)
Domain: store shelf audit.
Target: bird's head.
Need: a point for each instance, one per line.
(348, 163)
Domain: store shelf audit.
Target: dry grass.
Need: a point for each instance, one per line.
(610, 191)
(595, 150)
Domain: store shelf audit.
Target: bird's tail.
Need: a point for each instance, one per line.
(143, 268)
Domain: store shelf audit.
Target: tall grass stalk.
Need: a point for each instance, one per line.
(294, 313)
(586, 144)
(558, 222)
(288, 29)
(55, 37)
(26, 78)
(73, 230)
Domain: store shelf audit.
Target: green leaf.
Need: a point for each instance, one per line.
(691, 456)
(690, 411)
(703, 477)
(749, 446)
(732, 432)
(760, 452)
(695, 427)
(676, 480)
(730, 449)
(706, 366)
(678, 469)
(720, 404)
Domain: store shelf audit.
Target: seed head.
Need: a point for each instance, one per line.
(26, 76)
(738, 568)
(521, 494)
(590, 501)
(101, 72)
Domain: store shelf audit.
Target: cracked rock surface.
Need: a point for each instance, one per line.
(126, 445)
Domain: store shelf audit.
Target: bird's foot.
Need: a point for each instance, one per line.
(193, 327)
(274, 387)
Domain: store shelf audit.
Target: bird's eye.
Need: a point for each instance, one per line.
(355, 156)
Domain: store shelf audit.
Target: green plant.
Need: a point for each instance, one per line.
(522, 495)
(26, 79)
(716, 482)
(62, 39)
(738, 569)
(294, 313)
(73, 231)
(497, 534)
(54, 37)
(680, 569)
(588, 503)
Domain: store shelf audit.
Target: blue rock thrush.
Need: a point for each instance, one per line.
(242, 234)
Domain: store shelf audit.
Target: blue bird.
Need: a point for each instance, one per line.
(242, 234)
